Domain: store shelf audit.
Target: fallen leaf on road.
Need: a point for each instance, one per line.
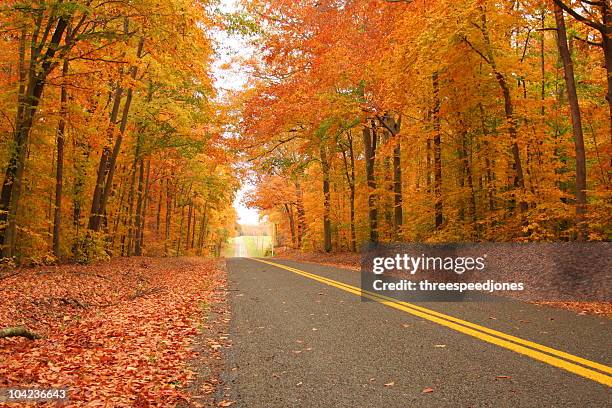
(405, 325)
(427, 390)
(440, 345)
(390, 384)
(296, 351)
(225, 403)
(503, 376)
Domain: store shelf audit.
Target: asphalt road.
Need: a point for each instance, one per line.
(298, 342)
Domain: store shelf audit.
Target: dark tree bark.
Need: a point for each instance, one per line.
(189, 217)
(203, 228)
(437, 147)
(605, 29)
(572, 98)
(291, 218)
(40, 68)
(59, 172)
(145, 205)
(327, 232)
(169, 199)
(159, 206)
(139, 207)
(370, 140)
(108, 160)
(301, 212)
(95, 215)
(349, 170)
(394, 126)
(489, 58)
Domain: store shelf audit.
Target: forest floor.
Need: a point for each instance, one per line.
(352, 260)
(129, 332)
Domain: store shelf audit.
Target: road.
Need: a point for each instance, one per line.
(300, 342)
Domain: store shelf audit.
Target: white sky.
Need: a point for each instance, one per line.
(230, 47)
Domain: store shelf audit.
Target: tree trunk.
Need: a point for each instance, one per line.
(519, 180)
(167, 231)
(130, 213)
(349, 170)
(572, 98)
(437, 146)
(141, 226)
(291, 218)
(159, 206)
(394, 127)
(189, 217)
(606, 35)
(301, 213)
(59, 174)
(95, 215)
(327, 232)
(11, 187)
(369, 143)
(139, 207)
(203, 227)
(108, 160)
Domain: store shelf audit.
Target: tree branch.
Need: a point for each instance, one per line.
(18, 332)
(599, 27)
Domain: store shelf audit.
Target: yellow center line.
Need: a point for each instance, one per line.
(516, 344)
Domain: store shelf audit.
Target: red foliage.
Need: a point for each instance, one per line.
(116, 334)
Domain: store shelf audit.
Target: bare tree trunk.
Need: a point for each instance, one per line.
(349, 170)
(169, 197)
(301, 213)
(59, 174)
(112, 162)
(437, 146)
(141, 226)
(327, 233)
(203, 227)
(130, 213)
(95, 215)
(194, 224)
(159, 206)
(291, 218)
(606, 35)
(189, 216)
(36, 81)
(394, 127)
(489, 58)
(369, 142)
(108, 161)
(139, 207)
(572, 98)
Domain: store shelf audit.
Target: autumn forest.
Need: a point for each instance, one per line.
(135, 133)
(435, 121)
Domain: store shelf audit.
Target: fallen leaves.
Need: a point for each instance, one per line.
(116, 333)
(390, 384)
(427, 390)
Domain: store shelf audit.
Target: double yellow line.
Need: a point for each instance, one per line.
(569, 362)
